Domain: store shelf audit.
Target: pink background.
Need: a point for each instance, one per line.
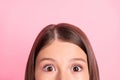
(22, 20)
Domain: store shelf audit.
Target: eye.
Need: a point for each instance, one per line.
(48, 68)
(76, 68)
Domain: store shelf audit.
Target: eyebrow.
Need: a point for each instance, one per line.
(43, 59)
(78, 59)
(73, 59)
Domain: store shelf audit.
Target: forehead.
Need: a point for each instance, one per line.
(60, 50)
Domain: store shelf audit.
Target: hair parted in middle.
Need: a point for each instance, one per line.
(67, 33)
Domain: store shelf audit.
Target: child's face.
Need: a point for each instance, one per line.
(61, 61)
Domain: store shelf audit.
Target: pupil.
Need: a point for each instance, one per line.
(50, 69)
(75, 69)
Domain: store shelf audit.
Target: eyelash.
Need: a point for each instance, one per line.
(49, 66)
(52, 68)
(78, 67)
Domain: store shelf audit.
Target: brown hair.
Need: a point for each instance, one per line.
(65, 32)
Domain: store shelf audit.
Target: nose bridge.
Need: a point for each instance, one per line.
(63, 71)
(62, 75)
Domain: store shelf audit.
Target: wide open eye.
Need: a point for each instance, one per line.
(76, 68)
(48, 68)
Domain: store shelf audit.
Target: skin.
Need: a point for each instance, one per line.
(61, 61)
